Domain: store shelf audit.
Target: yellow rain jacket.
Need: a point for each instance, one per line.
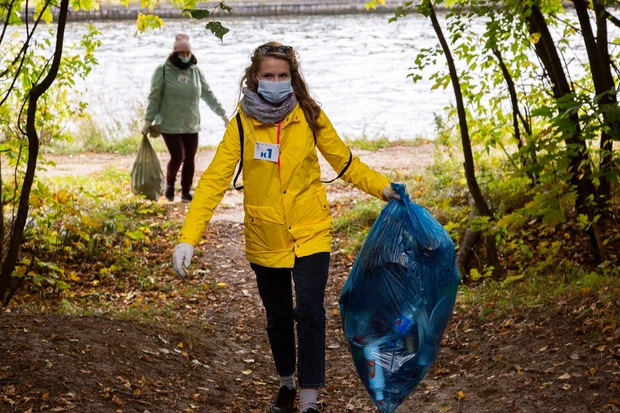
(286, 208)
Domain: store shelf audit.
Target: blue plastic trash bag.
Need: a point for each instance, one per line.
(397, 301)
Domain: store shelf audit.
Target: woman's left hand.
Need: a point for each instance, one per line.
(225, 119)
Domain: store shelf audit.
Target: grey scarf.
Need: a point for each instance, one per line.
(263, 111)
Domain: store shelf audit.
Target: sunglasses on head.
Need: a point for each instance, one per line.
(275, 49)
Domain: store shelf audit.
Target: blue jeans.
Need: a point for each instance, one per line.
(274, 285)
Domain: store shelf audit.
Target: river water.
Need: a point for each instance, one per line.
(356, 67)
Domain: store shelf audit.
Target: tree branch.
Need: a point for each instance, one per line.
(613, 19)
(21, 53)
(6, 22)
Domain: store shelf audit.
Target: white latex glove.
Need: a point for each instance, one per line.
(389, 193)
(182, 258)
(145, 127)
(225, 119)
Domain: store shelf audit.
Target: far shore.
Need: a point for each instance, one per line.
(241, 8)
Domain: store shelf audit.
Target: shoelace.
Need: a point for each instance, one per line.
(305, 408)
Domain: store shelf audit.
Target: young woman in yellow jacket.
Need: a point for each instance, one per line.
(288, 222)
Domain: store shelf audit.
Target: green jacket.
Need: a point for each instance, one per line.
(175, 108)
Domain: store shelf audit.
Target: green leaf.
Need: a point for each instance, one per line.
(554, 217)
(84, 5)
(61, 285)
(217, 29)
(226, 7)
(511, 280)
(474, 274)
(198, 13)
(135, 235)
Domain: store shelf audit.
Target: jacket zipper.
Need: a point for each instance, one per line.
(278, 140)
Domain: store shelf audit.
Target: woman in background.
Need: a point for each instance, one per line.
(173, 105)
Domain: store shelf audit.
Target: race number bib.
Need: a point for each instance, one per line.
(266, 151)
(183, 78)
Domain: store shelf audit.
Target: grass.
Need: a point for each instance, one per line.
(91, 138)
(592, 296)
(99, 142)
(356, 221)
(374, 145)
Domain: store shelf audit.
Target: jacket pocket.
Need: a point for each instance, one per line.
(313, 209)
(265, 230)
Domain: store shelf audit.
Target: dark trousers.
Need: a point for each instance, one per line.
(274, 285)
(182, 148)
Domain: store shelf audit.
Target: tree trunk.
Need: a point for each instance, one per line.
(8, 266)
(580, 169)
(470, 174)
(604, 85)
(470, 238)
(516, 116)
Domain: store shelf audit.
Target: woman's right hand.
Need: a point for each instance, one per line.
(182, 258)
(390, 193)
(145, 127)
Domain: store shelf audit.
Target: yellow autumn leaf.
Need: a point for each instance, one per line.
(534, 38)
(461, 394)
(148, 21)
(372, 4)
(221, 284)
(71, 275)
(445, 409)
(63, 197)
(180, 345)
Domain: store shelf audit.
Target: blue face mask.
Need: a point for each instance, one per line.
(275, 92)
(185, 59)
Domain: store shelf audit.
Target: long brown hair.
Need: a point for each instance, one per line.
(311, 109)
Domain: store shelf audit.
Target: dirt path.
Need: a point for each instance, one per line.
(532, 361)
